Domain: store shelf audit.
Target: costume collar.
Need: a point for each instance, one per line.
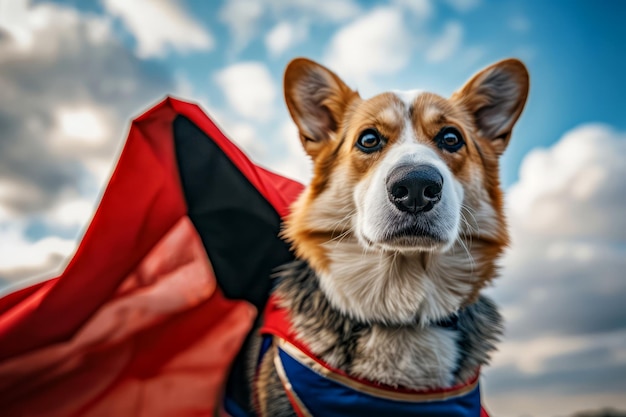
(315, 388)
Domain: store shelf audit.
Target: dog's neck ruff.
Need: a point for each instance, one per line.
(425, 287)
(314, 388)
(300, 272)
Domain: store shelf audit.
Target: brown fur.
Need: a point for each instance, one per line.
(351, 114)
(362, 306)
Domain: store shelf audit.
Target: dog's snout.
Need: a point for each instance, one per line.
(414, 189)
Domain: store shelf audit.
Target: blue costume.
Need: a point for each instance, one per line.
(316, 389)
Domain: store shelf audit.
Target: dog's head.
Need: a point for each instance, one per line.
(408, 175)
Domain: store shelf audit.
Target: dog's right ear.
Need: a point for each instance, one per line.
(317, 100)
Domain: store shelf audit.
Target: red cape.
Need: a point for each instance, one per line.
(150, 313)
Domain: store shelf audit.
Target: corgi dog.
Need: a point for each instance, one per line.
(396, 235)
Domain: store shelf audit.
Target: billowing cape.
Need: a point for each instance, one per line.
(149, 315)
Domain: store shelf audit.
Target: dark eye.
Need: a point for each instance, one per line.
(369, 141)
(449, 139)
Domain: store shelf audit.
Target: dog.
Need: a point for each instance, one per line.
(396, 235)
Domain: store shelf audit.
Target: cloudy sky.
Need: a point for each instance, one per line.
(73, 73)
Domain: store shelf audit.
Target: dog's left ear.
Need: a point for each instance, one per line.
(496, 97)
(317, 100)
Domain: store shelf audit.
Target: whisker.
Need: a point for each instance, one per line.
(471, 213)
(466, 233)
(469, 256)
(339, 238)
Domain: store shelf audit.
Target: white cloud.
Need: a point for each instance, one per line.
(158, 25)
(243, 16)
(245, 136)
(17, 252)
(294, 163)
(274, 146)
(15, 20)
(24, 23)
(534, 356)
(249, 89)
(333, 10)
(447, 44)
(549, 404)
(566, 219)
(422, 9)
(562, 286)
(59, 119)
(82, 126)
(575, 179)
(22, 259)
(71, 212)
(68, 89)
(376, 43)
(15, 194)
(284, 36)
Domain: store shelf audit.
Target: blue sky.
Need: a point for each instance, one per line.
(573, 49)
(74, 73)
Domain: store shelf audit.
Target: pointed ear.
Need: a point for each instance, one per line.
(496, 97)
(317, 100)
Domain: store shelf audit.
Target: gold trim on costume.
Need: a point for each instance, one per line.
(287, 385)
(309, 362)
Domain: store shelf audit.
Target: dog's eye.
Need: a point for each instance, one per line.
(449, 139)
(369, 141)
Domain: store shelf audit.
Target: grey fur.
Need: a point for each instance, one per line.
(346, 343)
(480, 327)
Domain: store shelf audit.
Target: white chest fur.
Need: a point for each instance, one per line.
(410, 358)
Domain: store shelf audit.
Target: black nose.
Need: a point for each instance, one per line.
(414, 189)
